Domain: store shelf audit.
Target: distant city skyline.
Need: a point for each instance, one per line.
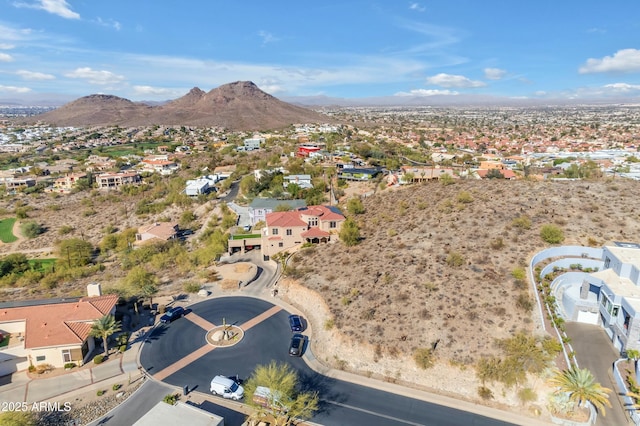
(150, 50)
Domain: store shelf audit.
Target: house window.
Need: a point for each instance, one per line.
(280, 244)
(332, 224)
(274, 231)
(40, 358)
(313, 221)
(66, 355)
(289, 232)
(607, 262)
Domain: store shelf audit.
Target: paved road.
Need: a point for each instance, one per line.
(131, 410)
(594, 351)
(343, 403)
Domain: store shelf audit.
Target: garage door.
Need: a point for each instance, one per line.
(588, 317)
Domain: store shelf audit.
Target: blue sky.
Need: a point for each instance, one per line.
(157, 50)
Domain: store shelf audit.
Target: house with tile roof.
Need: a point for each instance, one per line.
(52, 332)
(157, 231)
(286, 231)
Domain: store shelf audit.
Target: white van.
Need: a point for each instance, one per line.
(269, 399)
(226, 387)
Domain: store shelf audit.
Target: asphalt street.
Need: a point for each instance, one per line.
(342, 403)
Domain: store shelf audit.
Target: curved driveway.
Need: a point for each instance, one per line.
(179, 355)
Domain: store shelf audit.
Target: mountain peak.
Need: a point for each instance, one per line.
(240, 105)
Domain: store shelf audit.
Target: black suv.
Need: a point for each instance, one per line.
(295, 322)
(172, 314)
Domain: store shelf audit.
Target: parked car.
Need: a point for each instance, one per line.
(172, 314)
(226, 388)
(296, 345)
(295, 322)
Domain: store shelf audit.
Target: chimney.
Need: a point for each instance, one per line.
(94, 290)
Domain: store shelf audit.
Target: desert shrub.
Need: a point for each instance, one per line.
(497, 244)
(32, 369)
(31, 229)
(101, 392)
(527, 395)
(465, 197)
(355, 206)
(98, 359)
(519, 273)
(191, 287)
(69, 365)
(551, 234)
(116, 386)
(391, 232)
(65, 229)
(329, 324)
(346, 301)
(455, 259)
(522, 222)
(524, 302)
(162, 309)
(21, 213)
(424, 358)
(171, 399)
(485, 393)
(446, 180)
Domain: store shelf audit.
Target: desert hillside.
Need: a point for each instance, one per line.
(435, 262)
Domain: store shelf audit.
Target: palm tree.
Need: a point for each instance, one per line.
(580, 385)
(105, 327)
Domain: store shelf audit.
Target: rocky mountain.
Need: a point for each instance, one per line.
(236, 106)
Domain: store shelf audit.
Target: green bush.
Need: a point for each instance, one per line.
(69, 365)
(31, 229)
(32, 369)
(98, 359)
(116, 386)
(171, 399)
(191, 287)
(101, 392)
(122, 348)
(522, 222)
(551, 234)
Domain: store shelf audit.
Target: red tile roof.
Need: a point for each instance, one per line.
(285, 219)
(315, 232)
(59, 323)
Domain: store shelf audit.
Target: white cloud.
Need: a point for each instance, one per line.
(6, 46)
(494, 73)
(267, 37)
(95, 76)
(5, 57)
(417, 7)
(625, 60)
(623, 87)
(150, 90)
(427, 92)
(109, 23)
(56, 7)
(452, 80)
(14, 89)
(31, 75)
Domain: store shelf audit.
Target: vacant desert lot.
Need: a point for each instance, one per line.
(434, 264)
